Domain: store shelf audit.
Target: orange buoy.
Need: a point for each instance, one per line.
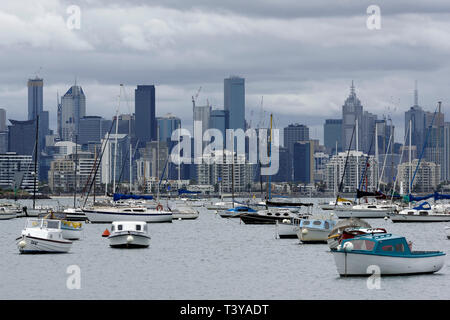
(106, 233)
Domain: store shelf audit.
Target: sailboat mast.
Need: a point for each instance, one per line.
(410, 163)
(76, 167)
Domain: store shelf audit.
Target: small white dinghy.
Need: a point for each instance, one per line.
(129, 234)
(43, 236)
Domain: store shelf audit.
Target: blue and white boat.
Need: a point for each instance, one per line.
(391, 254)
(315, 230)
(236, 212)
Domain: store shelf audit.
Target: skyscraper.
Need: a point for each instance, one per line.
(21, 137)
(167, 124)
(2, 120)
(234, 102)
(303, 162)
(219, 121)
(145, 107)
(73, 108)
(293, 133)
(35, 97)
(352, 110)
(417, 117)
(332, 133)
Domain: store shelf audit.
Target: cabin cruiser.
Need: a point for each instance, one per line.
(335, 241)
(236, 212)
(70, 230)
(422, 213)
(43, 236)
(269, 216)
(315, 230)
(184, 213)
(391, 254)
(365, 210)
(129, 234)
(108, 214)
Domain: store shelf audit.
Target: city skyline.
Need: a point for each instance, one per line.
(310, 68)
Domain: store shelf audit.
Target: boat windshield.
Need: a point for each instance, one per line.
(33, 223)
(365, 245)
(51, 224)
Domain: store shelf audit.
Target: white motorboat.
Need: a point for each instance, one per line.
(71, 230)
(129, 234)
(74, 214)
(43, 236)
(341, 203)
(447, 232)
(422, 213)
(315, 230)
(365, 210)
(7, 213)
(222, 205)
(184, 213)
(389, 254)
(109, 214)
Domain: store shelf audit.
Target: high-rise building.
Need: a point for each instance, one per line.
(304, 162)
(145, 129)
(332, 133)
(167, 124)
(352, 110)
(202, 115)
(93, 129)
(2, 120)
(234, 102)
(16, 171)
(293, 133)
(426, 178)
(115, 163)
(418, 128)
(35, 98)
(219, 121)
(22, 137)
(73, 108)
(446, 163)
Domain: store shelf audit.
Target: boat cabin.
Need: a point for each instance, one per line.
(318, 224)
(119, 226)
(382, 244)
(43, 224)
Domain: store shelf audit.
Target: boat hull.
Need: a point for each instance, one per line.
(312, 235)
(287, 230)
(109, 217)
(419, 218)
(259, 219)
(122, 240)
(40, 245)
(8, 216)
(361, 213)
(357, 264)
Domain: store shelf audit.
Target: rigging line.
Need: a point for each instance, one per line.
(345, 166)
(365, 167)
(98, 164)
(398, 169)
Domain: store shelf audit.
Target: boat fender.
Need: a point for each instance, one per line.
(305, 231)
(130, 239)
(348, 246)
(385, 218)
(22, 244)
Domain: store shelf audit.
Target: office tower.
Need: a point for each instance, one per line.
(284, 173)
(202, 114)
(293, 133)
(22, 137)
(417, 117)
(115, 163)
(446, 163)
(145, 125)
(367, 130)
(35, 98)
(2, 120)
(234, 102)
(352, 110)
(93, 129)
(167, 124)
(434, 145)
(73, 108)
(126, 125)
(332, 133)
(304, 162)
(219, 121)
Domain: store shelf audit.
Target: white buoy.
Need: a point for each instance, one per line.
(22, 244)
(130, 239)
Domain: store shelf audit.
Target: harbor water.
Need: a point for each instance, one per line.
(209, 258)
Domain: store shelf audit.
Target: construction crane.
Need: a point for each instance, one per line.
(194, 98)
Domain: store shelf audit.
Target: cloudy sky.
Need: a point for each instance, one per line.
(300, 56)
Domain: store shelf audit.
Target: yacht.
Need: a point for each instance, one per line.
(7, 213)
(129, 234)
(43, 236)
(422, 213)
(365, 210)
(108, 214)
(269, 216)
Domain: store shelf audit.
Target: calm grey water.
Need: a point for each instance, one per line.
(209, 258)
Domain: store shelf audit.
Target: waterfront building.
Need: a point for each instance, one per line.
(426, 179)
(16, 170)
(234, 102)
(22, 136)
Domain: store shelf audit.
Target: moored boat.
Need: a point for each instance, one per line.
(7, 213)
(109, 214)
(236, 212)
(315, 230)
(422, 213)
(43, 236)
(268, 216)
(129, 234)
(334, 237)
(390, 254)
(287, 228)
(365, 211)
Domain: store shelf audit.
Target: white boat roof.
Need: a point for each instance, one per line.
(129, 223)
